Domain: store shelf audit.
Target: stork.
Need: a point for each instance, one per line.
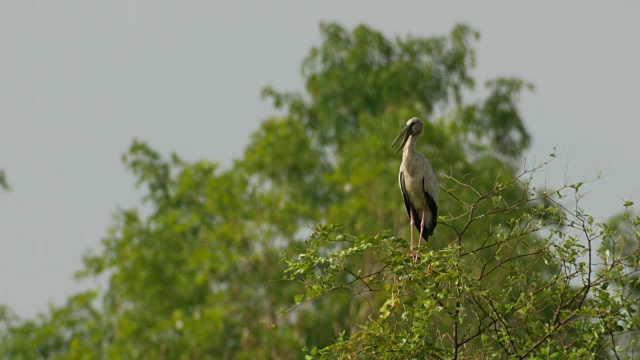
(418, 183)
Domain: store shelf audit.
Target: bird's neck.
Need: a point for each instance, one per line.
(410, 147)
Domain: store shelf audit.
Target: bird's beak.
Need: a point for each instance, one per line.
(406, 133)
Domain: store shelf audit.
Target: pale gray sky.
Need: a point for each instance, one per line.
(79, 80)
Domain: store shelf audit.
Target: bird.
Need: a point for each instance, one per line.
(418, 183)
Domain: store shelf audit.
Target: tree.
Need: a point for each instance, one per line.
(195, 272)
(362, 88)
(559, 297)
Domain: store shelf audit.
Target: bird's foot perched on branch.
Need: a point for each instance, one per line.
(414, 256)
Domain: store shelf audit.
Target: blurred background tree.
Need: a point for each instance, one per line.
(195, 272)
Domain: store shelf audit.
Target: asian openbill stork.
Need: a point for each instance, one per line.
(418, 183)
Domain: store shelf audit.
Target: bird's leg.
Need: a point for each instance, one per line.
(413, 254)
(421, 225)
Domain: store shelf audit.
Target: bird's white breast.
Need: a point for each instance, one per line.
(415, 167)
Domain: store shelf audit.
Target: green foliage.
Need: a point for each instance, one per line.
(74, 330)
(182, 280)
(498, 120)
(203, 268)
(623, 242)
(555, 299)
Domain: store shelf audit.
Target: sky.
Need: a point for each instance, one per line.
(79, 80)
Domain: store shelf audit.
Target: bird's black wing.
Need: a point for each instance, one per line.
(403, 188)
(417, 218)
(434, 211)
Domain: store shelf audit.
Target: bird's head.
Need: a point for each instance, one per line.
(413, 128)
